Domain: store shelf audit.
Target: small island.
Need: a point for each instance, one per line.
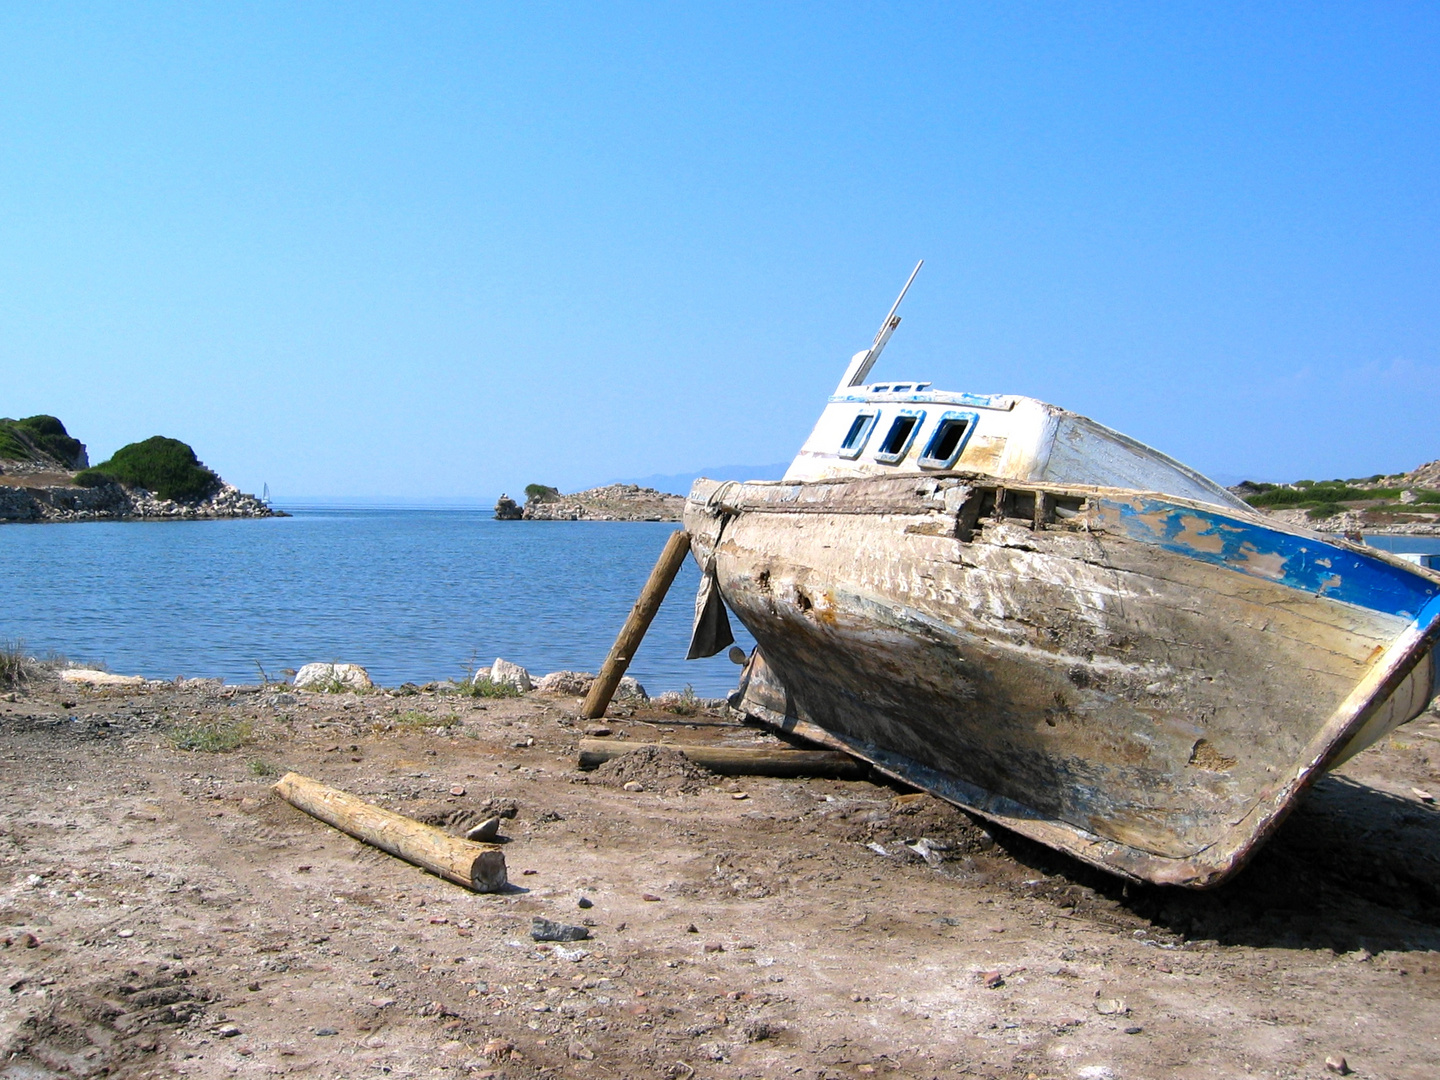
(613, 502)
(46, 476)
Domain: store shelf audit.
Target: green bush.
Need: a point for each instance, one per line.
(49, 435)
(93, 478)
(1324, 510)
(167, 467)
(541, 493)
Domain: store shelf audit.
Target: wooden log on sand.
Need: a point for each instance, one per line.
(737, 761)
(476, 866)
(633, 632)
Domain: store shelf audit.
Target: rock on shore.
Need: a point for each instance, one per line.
(614, 502)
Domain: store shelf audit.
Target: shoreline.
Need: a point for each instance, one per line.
(750, 925)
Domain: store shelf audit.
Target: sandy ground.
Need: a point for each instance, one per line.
(164, 915)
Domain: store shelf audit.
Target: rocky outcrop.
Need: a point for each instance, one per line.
(22, 502)
(507, 509)
(504, 673)
(578, 683)
(615, 502)
(1426, 476)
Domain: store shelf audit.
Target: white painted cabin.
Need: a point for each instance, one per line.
(906, 427)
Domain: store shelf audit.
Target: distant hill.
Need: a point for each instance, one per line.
(679, 483)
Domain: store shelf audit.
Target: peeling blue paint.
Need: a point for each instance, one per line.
(1300, 562)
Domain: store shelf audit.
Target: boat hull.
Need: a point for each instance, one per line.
(1145, 682)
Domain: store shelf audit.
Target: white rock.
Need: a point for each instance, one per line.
(573, 683)
(328, 676)
(629, 688)
(502, 672)
(90, 677)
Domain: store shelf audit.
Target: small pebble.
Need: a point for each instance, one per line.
(598, 732)
(584, 902)
(634, 785)
(1337, 1064)
(457, 790)
(527, 873)
(253, 987)
(1133, 1030)
(649, 898)
(993, 980)
(326, 1031)
(228, 1031)
(739, 795)
(1423, 795)
(692, 929)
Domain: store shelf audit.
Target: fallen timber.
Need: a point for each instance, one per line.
(737, 760)
(480, 867)
(1057, 627)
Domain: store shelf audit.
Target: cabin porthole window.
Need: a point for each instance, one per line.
(897, 440)
(948, 440)
(858, 434)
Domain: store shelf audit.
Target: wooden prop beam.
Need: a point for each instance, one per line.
(737, 761)
(476, 866)
(633, 632)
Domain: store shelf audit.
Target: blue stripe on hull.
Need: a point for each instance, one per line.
(1300, 562)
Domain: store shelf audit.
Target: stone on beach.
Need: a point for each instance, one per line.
(90, 677)
(327, 676)
(504, 673)
(571, 683)
(629, 688)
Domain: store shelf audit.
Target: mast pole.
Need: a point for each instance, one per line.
(862, 362)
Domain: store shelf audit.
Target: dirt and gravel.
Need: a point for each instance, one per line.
(164, 915)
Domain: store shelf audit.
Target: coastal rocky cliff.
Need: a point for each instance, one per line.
(1398, 503)
(44, 478)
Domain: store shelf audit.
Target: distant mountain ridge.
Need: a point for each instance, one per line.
(679, 483)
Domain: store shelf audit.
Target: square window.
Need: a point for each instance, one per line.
(948, 441)
(898, 438)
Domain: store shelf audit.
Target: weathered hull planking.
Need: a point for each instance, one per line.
(1145, 681)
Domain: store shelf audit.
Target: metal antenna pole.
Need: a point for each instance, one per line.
(862, 362)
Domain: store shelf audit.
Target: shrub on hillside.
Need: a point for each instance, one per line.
(11, 448)
(49, 435)
(167, 467)
(20, 439)
(541, 493)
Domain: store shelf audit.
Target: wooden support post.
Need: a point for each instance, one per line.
(633, 632)
(476, 866)
(1044, 509)
(737, 761)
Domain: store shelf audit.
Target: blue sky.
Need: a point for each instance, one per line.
(447, 250)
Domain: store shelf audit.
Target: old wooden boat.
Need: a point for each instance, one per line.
(1055, 626)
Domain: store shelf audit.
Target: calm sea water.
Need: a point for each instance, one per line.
(413, 595)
